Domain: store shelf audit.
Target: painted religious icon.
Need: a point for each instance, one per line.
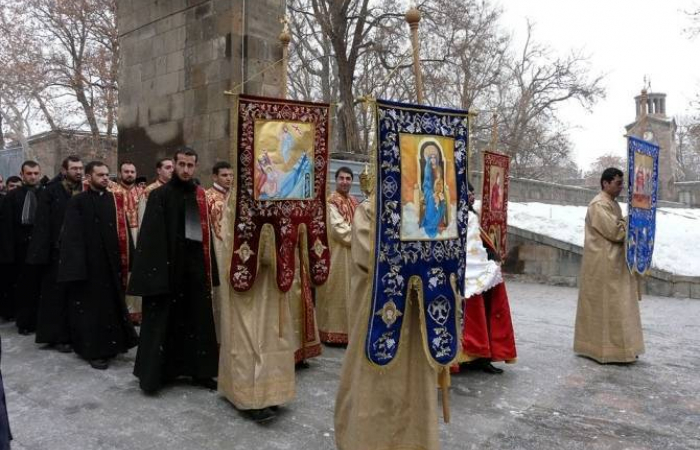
(643, 182)
(496, 199)
(284, 160)
(428, 188)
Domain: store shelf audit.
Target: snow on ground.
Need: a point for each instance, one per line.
(677, 231)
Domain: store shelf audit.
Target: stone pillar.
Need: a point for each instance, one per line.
(177, 59)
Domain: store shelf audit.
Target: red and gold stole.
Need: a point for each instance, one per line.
(122, 235)
(345, 205)
(206, 235)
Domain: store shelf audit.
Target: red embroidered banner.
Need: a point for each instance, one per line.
(494, 203)
(281, 165)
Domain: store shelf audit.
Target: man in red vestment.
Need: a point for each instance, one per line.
(488, 330)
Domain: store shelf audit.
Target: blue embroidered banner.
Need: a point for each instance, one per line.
(642, 186)
(421, 227)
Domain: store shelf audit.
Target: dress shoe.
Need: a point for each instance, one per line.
(490, 368)
(99, 364)
(24, 332)
(302, 365)
(260, 415)
(63, 348)
(208, 383)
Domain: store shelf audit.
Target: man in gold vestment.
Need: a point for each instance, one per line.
(396, 407)
(608, 325)
(217, 196)
(333, 297)
(256, 359)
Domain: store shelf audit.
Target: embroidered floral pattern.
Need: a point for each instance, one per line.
(432, 261)
(285, 215)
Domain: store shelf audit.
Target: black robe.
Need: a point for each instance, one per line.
(177, 336)
(90, 261)
(22, 279)
(52, 321)
(5, 434)
(5, 306)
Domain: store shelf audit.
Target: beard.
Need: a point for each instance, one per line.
(128, 182)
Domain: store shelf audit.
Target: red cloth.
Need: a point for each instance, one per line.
(488, 329)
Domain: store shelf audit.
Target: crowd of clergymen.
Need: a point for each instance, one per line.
(86, 260)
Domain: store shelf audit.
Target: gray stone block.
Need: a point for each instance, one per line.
(161, 65)
(218, 124)
(165, 132)
(159, 111)
(177, 106)
(175, 61)
(695, 290)
(167, 84)
(200, 128)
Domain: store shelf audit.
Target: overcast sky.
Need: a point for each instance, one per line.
(626, 39)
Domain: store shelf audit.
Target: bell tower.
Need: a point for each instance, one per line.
(652, 124)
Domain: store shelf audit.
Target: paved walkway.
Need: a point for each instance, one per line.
(550, 400)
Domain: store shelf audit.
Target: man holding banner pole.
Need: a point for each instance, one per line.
(608, 324)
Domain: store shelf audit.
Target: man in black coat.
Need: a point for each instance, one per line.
(52, 322)
(94, 260)
(174, 271)
(17, 218)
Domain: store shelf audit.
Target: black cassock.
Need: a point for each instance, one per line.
(52, 321)
(177, 335)
(22, 279)
(90, 261)
(5, 434)
(5, 312)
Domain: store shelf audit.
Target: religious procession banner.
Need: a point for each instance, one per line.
(494, 203)
(642, 187)
(420, 228)
(280, 166)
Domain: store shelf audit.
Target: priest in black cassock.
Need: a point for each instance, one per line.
(174, 270)
(94, 261)
(17, 218)
(52, 321)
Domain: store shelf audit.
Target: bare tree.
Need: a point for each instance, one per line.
(539, 85)
(688, 147)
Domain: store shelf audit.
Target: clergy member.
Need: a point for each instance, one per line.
(126, 185)
(174, 271)
(334, 297)
(217, 197)
(94, 261)
(164, 172)
(608, 325)
(7, 272)
(393, 408)
(17, 219)
(487, 334)
(52, 321)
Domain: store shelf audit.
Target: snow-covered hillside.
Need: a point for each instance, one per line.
(677, 248)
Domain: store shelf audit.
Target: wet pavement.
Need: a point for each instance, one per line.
(551, 399)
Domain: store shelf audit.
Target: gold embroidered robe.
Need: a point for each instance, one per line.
(333, 299)
(256, 359)
(307, 343)
(395, 408)
(132, 196)
(217, 198)
(608, 324)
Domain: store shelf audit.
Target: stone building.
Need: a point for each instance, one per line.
(177, 59)
(50, 148)
(652, 124)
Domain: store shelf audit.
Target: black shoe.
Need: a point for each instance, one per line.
(24, 332)
(208, 383)
(301, 365)
(260, 415)
(490, 368)
(99, 364)
(63, 348)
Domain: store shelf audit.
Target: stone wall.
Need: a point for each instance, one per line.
(51, 148)
(177, 59)
(542, 259)
(689, 193)
(524, 190)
